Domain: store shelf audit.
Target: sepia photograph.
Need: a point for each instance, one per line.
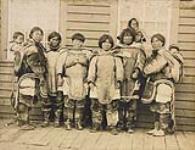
(97, 74)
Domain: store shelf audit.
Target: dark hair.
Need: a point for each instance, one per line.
(16, 34)
(105, 37)
(127, 31)
(78, 36)
(130, 21)
(54, 34)
(159, 37)
(35, 29)
(174, 46)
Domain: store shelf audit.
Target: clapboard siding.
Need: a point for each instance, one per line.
(185, 91)
(92, 19)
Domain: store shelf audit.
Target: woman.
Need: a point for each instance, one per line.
(104, 78)
(31, 82)
(133, 63)
(157, 69)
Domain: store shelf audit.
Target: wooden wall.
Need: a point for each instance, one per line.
(92, 19)
(185, 92)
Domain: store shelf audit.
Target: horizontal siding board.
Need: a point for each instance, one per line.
(187, 46)
(7, 70)
(189, 63)
(185, 121)
(187, 13)
(188, 54)
(190, 80)
(189, 105)
(187, 29)
(91, 3)
(185, 113)
(87, 17)
(187, 21)
(87, 9)
(185, 88)
(87, 42)
(179, 96)
(186, 37)
(87, 34)
(88, 26)
(189, 71)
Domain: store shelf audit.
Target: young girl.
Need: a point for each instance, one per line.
(73, 65)
(133, 63)
(52, 55)
(104, 77)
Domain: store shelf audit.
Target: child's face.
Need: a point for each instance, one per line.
(37, 36)
(77, 43)
(173, 50)
(106, 45)
(156, 44)
(54, 41)
(138, 37)
(19, 39)
(127, 39)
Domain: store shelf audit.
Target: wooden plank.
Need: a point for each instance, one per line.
(171, 142)
(187, 46)
(100, 3)
(92, 139)
(138, 140)
(187, 13)
(185, 105)
(6, 64)
(188, 54)
(87, 34)
(88, 17)
(89, 9)
(6, 85)
(189, 63)
(185, 88)
(148, 142)
(186, 37)
(87, 42)
(188, 79)
(127, 141)
(190, 137)
(88, 26)
(185, 128)
(186, 29)
(184, 113)
(187, 21)
(189, 70)
(184, 96)
(159, 143)
(7, 77)
(185, 121)
(6, 70)
(183, 142)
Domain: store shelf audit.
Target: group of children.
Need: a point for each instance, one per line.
(112, 78)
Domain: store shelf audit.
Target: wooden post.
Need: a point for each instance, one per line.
(4, 29)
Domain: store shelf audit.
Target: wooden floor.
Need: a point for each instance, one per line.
(13, 138)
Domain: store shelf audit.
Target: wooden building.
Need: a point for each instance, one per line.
(173, 18)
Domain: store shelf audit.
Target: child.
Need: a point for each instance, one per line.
(52, 54)
(104, 77)
(15, 45)
(73, 65)
(133, 63)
